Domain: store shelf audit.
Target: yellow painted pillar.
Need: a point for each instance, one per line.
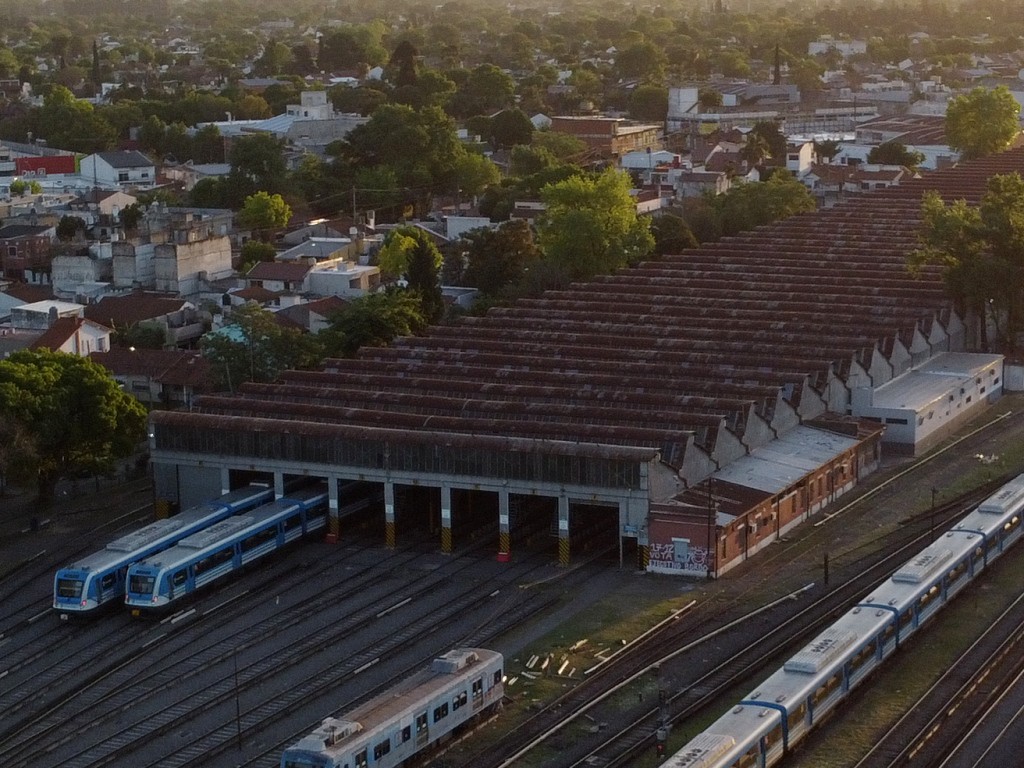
(389, 515)
(446, 519)
(563, 530)
(504, 536)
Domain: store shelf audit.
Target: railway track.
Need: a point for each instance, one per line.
(946, 713)
(559, 736)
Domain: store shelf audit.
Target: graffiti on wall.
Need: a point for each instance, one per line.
(666, 557)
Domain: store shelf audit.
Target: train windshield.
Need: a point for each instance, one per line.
(69, 588)
(141, 585)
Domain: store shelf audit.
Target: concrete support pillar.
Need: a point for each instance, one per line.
(278, 485)
(389, 514)
(333, 524)
(563, 530)
(225, 481)
(504, 537)
(446, 519)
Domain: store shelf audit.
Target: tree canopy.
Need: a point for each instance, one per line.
(982, 121)
(895, 153)
(373, 320)
(590, 225)
(254, 347)
(68, 414)
(981, 252)
(263, 213)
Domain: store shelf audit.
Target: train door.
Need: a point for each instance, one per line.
(108, 587)
(360, 759)
(478, 694)
(422, 730)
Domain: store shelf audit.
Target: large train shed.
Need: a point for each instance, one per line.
(615, 400)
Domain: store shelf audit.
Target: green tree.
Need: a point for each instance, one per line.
(374, 320)
(982, 122)
(255, 251)
(590, 225)
(498, 259)
(404, 61)
(69, 227)
(746, 206)
(21, 187)
(263, 213)
(649, 102)
(474, 173)
(257, 164)
(981, 252)
(509, 128)
(895, 153)
(671, 234)
(486, 89)
(71, 412)
(643, 60)
(409, 252)
(254, 347)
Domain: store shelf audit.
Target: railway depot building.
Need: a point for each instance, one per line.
(688, 411)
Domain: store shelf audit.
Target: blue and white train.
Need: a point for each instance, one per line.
(98, 581)
(411, 718)
(161, 581)
(782, 710)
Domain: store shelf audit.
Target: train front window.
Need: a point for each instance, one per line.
(70, 588)
(141, 585)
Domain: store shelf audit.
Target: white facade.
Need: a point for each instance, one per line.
(40, 315)
(922, 405)
(343, 279)
(118, 169)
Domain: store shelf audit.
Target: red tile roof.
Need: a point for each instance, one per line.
(164, 366)
(125, 311)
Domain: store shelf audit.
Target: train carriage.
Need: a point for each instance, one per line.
(765, 725)
(98, 580)
(161, 581)
(411, 718)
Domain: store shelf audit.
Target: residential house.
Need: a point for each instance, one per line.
(165, 377)
(312, 316)
(180, 320)
(25, 252)
(13, 294)
(278, 276)
(75, 336)
(344, 279)
(40, 315)
(125, 169)
(189, 174)
(799, 157)
(865, 178)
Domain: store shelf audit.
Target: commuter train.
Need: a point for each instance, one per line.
(762, 728)
(98, 580)
(161, 581)
(409, 719)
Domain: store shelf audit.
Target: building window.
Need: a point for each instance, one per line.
(122, 176)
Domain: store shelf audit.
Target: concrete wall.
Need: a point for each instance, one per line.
(178, 266)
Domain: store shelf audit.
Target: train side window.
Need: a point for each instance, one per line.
(381, 749)
(179, 578)
(497, 677)
(406, 733)
(441, 712)
(421, 723)
(459, 700)
(360, 759)
(478, 686)
(107, 581)
(292, 522)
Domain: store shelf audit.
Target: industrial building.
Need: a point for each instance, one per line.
(695, 408)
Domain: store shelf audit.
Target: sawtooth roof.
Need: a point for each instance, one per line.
(681, 353)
